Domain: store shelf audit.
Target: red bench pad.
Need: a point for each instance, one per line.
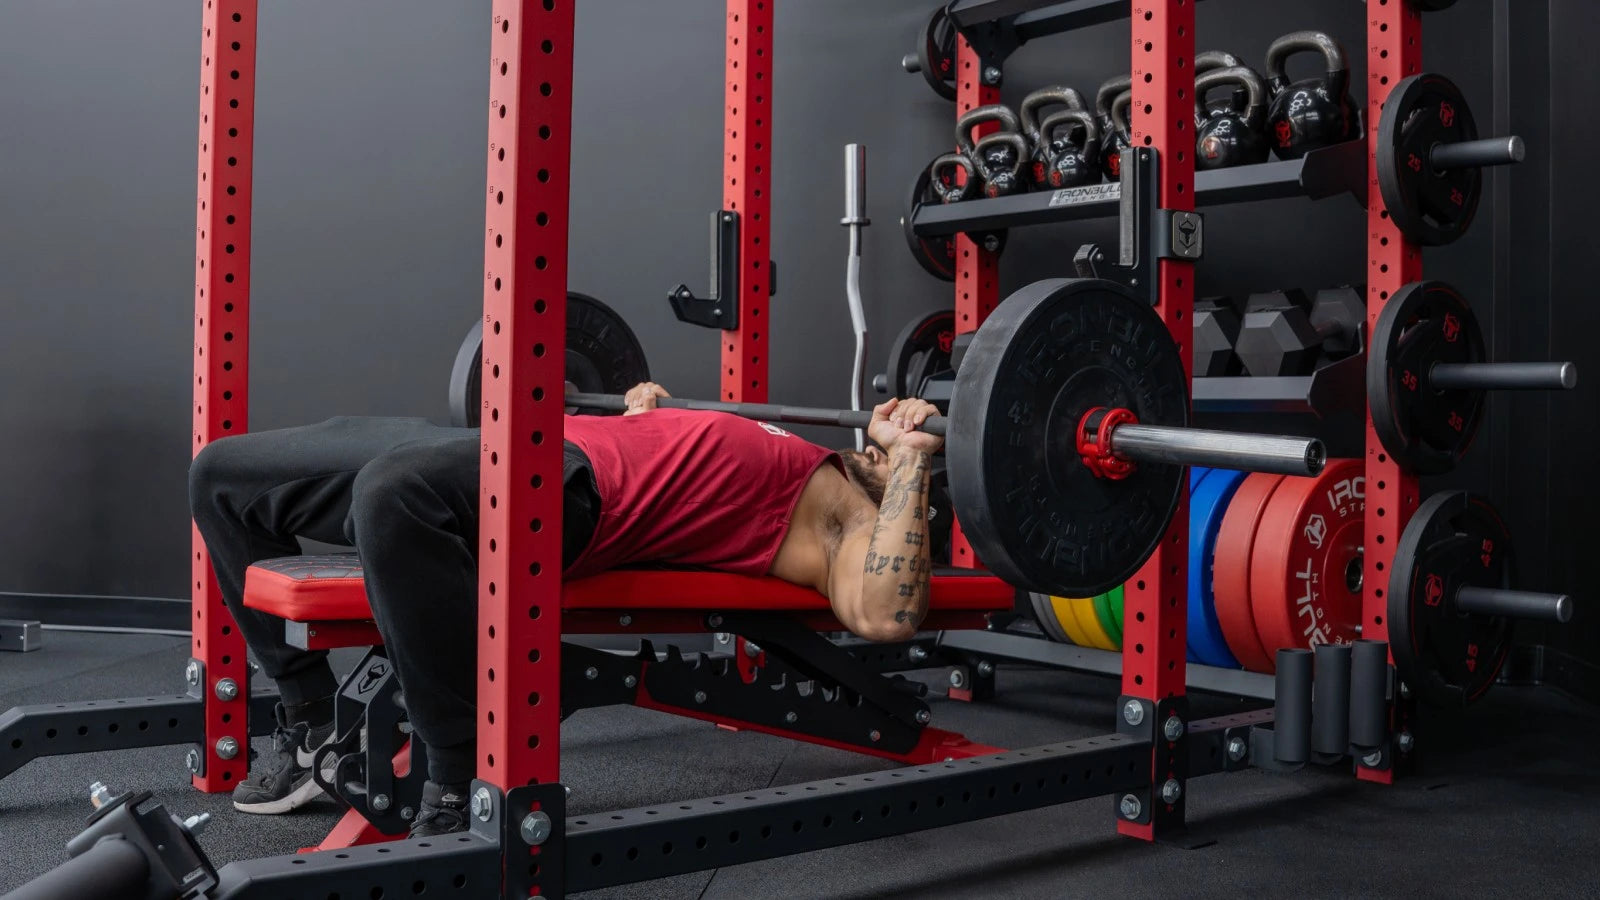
(326, 588)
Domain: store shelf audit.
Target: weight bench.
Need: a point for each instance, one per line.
(800, 685)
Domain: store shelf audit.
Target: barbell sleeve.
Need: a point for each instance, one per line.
(1277, 454)
(1506, 376)
(1514, 604)
(1498, 151)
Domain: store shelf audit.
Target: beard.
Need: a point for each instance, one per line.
(864, 474)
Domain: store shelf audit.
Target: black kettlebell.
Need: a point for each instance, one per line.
(947, 184)
(1028, 111)
(1230, 134)
(999, 155)
(1122, 135)
(1072, 149)
(1306, 115)
(1112, 140)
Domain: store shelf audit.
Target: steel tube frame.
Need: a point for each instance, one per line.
(1394, 52)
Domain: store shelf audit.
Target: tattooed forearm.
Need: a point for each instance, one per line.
(896, 563)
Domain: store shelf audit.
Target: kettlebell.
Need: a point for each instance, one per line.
(946, 184)
(998, 156)
(1028, 111)
(1112, 140)
(1313, 113)
(1071, 140)
(1121, 138)
(1230, 134)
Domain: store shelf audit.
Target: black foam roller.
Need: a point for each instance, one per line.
(1292, 710)
(1330, 700)
(1369, 690)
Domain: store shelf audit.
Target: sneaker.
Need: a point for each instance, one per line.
(443, 810)
(280, 780)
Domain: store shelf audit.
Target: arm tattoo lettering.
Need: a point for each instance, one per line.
(913, 539)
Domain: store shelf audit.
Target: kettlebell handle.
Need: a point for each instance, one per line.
(1080, 117)
(1106, 96)
(1053, 95)
(959, 189)
(1242, 76)
(1120, 109)
(1214, 59)
(1338, 70)
(994, 112)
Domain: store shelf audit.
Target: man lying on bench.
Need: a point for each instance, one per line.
(655, 485)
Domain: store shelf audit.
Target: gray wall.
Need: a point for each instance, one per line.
(369, 174)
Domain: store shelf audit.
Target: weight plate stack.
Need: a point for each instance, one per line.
(1209, 493)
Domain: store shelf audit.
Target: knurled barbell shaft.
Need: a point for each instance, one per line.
(1498, 151)
(1506, 376)
(1277, 454)
(1514, 604)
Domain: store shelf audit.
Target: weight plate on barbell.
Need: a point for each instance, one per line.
(1230, 576)
(1209, 493)
(1430, 206)
(1423, 324)
(603, 357)
(1034, 513)
(1454, 539)
(1306, 562)
(922, 349)
(936, 253)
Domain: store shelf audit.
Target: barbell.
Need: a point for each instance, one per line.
(1067, 436)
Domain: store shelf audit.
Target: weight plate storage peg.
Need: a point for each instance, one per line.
(1451, 604)
(603, 356)
(1035, 513)
(1427, 376)
(1430, 159)
(1306, 562)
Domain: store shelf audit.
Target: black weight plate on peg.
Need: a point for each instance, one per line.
(1034, 513)
(603, 357)
(936, 53)
(1430, 206)
(936, 253)
(1449, 658)
(1426, 430)
(922, 349)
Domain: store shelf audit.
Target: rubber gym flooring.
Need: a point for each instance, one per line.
(1506, 807)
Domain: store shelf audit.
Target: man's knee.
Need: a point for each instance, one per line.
(416, 481)
(217, 467)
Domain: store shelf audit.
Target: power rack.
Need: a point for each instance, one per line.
(522, 841)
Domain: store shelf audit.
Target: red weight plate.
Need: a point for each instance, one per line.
(1230, 578)
(1306, 568)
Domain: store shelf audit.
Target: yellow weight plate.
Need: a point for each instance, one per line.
(1089, 622)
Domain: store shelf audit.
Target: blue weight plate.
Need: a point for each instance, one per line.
(1197, 474)
(1208, 500)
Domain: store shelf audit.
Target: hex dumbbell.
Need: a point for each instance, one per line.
(1285, 333)
(1216, 330)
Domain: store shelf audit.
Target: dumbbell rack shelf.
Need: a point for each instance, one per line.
(1328, 172)
(1334, 388)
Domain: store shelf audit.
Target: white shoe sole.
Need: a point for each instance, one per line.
(297, 798)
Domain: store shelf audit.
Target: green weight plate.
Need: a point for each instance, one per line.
(1108, 609)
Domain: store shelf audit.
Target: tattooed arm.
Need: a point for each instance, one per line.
(880, 573)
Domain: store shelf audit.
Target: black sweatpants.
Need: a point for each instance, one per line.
(404, 493)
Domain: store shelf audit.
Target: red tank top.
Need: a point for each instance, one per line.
(691, 488)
